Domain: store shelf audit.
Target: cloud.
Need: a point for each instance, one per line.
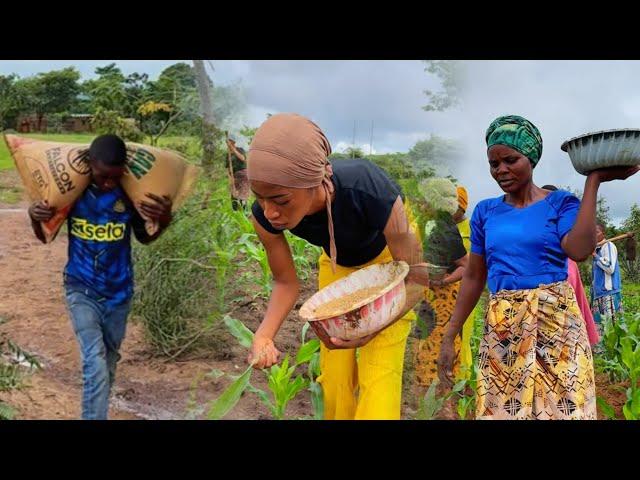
(563, 98)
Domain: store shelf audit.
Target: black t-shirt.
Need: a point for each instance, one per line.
(364, 197)
(236, 163)
(443, 245)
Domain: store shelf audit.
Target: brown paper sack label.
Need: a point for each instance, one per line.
(158, 171)
(51, 171)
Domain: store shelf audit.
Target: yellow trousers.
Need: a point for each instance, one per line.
(368, 387)
(466, 360)
(426, 352)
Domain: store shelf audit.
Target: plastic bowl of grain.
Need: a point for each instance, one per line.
(359, 304)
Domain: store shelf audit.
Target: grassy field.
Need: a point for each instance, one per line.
(9, 194)
(5, 159)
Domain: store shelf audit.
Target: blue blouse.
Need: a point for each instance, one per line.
(521, 246)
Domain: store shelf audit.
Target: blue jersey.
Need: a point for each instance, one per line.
(100, 244)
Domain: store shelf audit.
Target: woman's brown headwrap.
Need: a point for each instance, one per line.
(291, 151)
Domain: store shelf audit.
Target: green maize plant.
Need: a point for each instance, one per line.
(283, 384)
(305, 255)
(12, 370)
(630, 355)
(431, 404)
(467, 401)
(620, 359)
(313, 371)
(255, 252)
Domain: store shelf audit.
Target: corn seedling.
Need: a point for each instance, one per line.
(283, 384)
(467, 401)
(620, 358)
(230, 397)
(431, 404)
(312, 353)
(606, 409)
(305, 255)
(630, 354)
(283, 387)
(13, 361)
(256, 253)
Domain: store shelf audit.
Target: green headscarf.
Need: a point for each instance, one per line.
(518, 133)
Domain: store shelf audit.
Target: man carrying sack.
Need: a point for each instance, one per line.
(98, 277)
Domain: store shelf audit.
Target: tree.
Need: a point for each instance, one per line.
(354, 152)
(602, 216)
(11, 101)
(632, 223)
(135, 88)
(109, 121)
(107, 91)
(248, 133)
(630, 264)
(112, 91)
(434, 153)
(209, 130)
(450, 73)
(602, 212)
(51, 92)
(156, 118)
(175, 84)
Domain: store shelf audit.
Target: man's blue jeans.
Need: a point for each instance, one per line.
(100, 329)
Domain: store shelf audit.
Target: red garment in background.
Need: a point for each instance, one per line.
(583, 303)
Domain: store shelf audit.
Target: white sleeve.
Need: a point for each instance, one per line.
(608, 258)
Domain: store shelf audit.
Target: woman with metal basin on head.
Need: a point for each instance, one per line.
(534, 360)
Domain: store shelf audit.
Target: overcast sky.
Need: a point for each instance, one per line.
(562, 98)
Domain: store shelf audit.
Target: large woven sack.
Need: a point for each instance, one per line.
(58, 173)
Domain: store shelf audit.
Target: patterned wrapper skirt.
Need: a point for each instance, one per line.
(241, 183)
(426, 350)
(535, 361)
(607, 306)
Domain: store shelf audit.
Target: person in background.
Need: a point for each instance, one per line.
(241, 191)
(442, 246)
(576, 282)
(464, 227)
(606, 286)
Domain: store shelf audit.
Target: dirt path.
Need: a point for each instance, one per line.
(147, 387)
(34, 317)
